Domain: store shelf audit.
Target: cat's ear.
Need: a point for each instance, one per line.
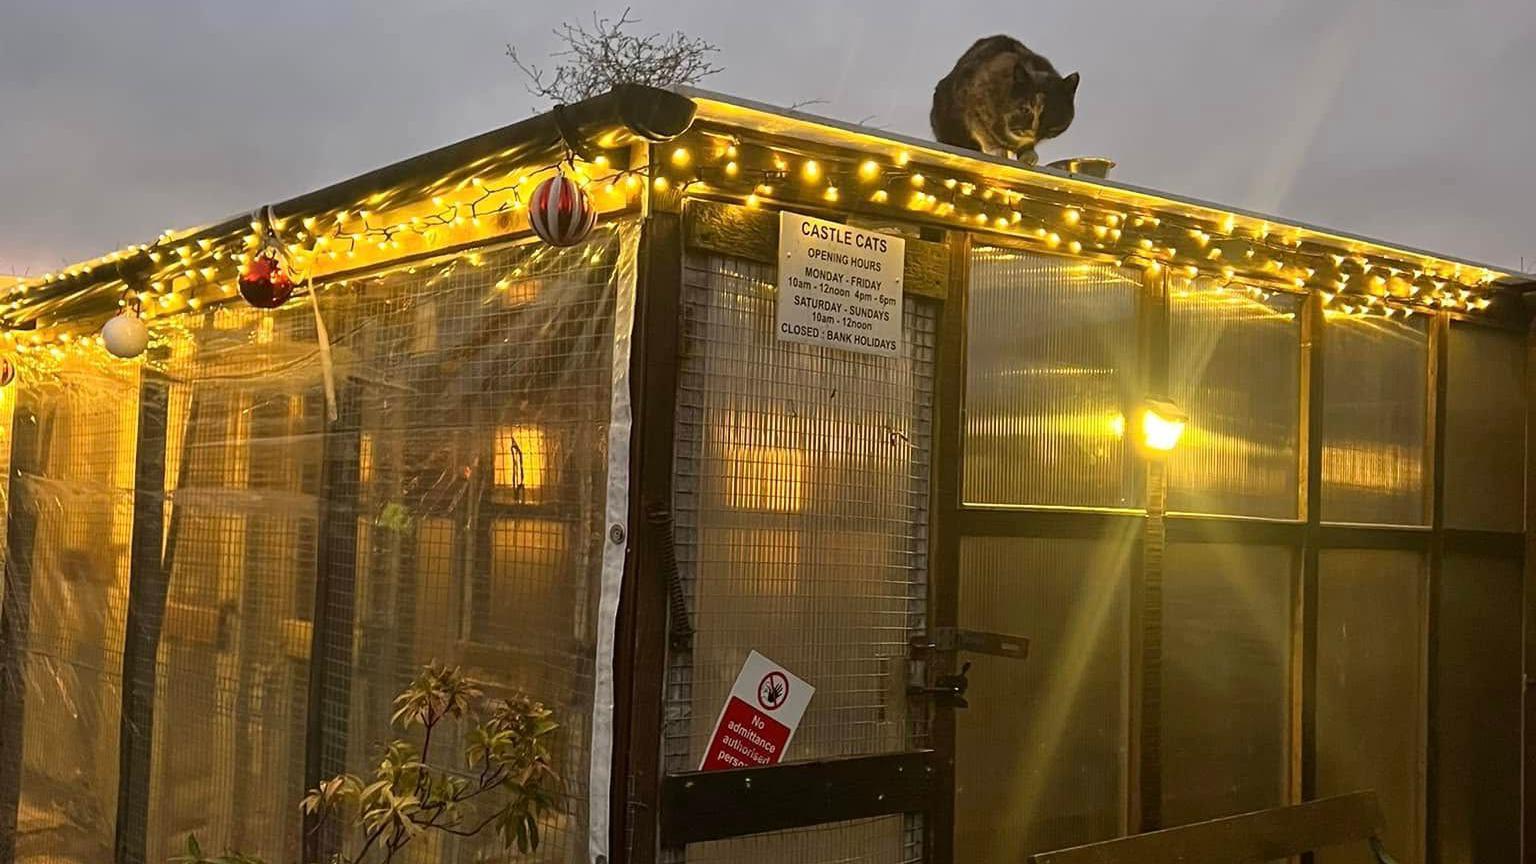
(1069, 84)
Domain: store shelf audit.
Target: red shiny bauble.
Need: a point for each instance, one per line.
(560, 212)
(263, 284)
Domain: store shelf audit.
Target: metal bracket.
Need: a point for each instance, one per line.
(955, 639)
(948, 691)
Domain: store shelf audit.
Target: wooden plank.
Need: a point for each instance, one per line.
(1264, 835)
(715, 805)
(1528, 619)
(745, 232)
(641, 641)
(947, 525)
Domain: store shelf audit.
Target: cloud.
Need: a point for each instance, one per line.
(118, 120)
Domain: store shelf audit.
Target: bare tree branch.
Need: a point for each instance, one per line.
(598, 59)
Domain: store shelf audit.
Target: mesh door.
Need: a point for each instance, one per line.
(801, 501)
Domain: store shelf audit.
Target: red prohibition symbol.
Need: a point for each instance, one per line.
(772, 691)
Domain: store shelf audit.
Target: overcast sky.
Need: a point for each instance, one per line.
(1408, 120)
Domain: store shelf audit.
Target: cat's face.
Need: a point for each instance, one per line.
(1041, 108)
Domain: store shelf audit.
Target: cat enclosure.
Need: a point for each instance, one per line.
(603, 474)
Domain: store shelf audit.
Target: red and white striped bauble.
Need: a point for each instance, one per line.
(560, 212)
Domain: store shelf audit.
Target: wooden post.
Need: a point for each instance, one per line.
(15, 614)
(330, 649)
(1144, 807)
(641, 637)
(1303, 770)
(944, 533)
(148, 584)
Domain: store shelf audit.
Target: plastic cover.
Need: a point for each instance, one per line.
(181, 528)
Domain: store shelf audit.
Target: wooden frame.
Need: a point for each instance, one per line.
(1264, 835)
(716, 805)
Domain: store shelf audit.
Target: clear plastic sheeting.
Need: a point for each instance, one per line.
(1370, 688)
(1226, 679)
(1040, 754)
(72, 447)
(1376, 420)
(1051, 376)
(305, 569)
(1236, 369)
(1485, 429)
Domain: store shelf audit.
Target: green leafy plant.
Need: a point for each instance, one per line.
(503, 781)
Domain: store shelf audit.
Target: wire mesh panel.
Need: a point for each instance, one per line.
(801, 502)
(1375, 421)
(1040, 752)
(1485, 429)
(1370, 605)
(67, 589)
(1051, 374)
(243, 438)
(1236, 369)
(482, 387)
(1226, 679)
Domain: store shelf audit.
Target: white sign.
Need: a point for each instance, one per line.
(839, 286)
(759, 718)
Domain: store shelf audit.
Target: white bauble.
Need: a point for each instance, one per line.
(125, 335)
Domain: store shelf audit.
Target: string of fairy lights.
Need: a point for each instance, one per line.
(186, 272)
(1220, 246)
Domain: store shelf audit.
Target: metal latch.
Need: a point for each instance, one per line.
(948, 691)
(954, 639)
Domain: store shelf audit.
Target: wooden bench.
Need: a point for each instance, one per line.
(1265, 835)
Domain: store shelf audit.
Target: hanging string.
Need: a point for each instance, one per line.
(271, 241)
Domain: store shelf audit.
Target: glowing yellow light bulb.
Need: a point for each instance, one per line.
(981, 218)
(1071, 215)
(1144, 243)
(681, 157)
(1074, 247)
(661, 184)
(903, 158)
(918, 180)
(811, 170)
(731, 169)
(1053, 239)
(1162, 425)
(730, 151)
(951, 183)
(869, 169)
(830, 194)
(753, 200)
(601, 161)
(880, 196)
